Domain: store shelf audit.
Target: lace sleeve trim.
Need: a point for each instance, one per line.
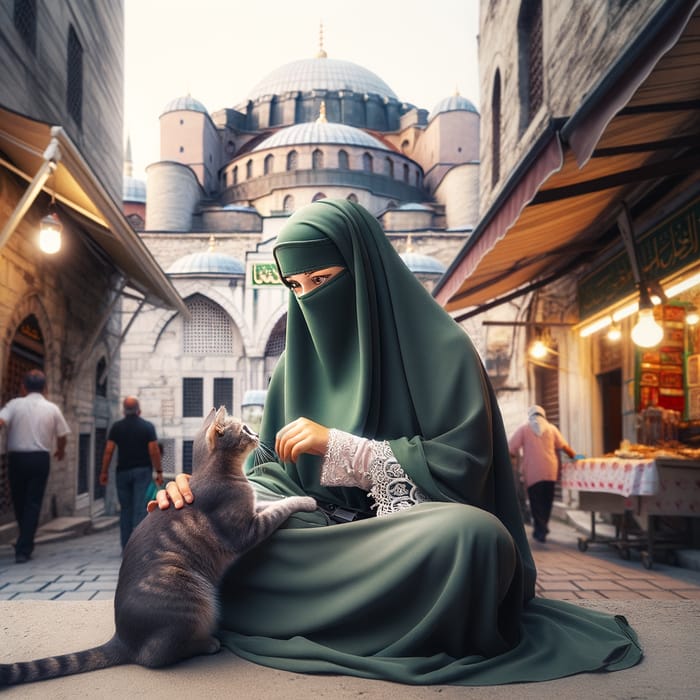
(372, 466)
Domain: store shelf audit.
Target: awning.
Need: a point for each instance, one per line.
(639, 126)
(23, 142)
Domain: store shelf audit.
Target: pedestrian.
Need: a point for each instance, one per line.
(138, 456)
(416, 567)
(538, 441)
(33, 425)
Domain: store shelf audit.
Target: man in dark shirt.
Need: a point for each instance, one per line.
(138, 455)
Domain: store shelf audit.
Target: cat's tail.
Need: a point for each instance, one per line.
(112, 653)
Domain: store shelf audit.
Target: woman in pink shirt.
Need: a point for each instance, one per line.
(538, 441)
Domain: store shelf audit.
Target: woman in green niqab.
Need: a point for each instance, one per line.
(442, 592)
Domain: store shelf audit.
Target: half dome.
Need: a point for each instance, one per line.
(420, 264)
(207, 264)
(187, 103)
(321, 74)
(320, 132)
(453, 103)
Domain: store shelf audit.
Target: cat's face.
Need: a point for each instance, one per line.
(223, 433)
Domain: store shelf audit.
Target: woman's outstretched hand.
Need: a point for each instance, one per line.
(175, 492)
(301, 436)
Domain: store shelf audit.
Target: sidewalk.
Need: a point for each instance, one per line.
(61, 601)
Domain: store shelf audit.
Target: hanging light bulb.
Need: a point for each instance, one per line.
(614, 333)
(538, 350)
(646, 333)
(50, 234)
(691, 316)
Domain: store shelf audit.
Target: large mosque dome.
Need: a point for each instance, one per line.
(207, 264)
(321, 74)
(321, 132)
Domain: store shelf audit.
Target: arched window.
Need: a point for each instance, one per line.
(496, 129)
(318, 195)
(209, 330)
(367, 162)
(317, 159)
(352, 198)
(249, 170)
(275, 346)
(224, 179)
(268, 164)
(101, 377)
(235, 175)
(389, 167)
(343, 161)
(406, 173)
(530, 74)
(74, 77)
(288, 203)
(292, 160)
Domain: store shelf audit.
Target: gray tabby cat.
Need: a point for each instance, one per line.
(166, 605)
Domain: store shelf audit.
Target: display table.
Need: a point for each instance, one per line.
(647, 488)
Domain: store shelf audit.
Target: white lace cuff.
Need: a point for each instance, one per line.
(371, 466)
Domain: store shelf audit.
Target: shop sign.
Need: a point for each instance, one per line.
(662, 250)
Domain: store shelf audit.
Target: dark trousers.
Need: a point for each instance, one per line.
(131, 491)
(541, 496)
(28, 473)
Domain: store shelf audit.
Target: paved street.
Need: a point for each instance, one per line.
(86, 568)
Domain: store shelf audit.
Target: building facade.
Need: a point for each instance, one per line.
(226, 183)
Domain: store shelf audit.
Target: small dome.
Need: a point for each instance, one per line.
(319, 132)
(422, 264)
(180, 104)
(453, 103)
(207, 264)
(321, 74)
(133, 189)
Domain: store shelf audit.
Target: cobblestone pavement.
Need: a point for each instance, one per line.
(86, 568)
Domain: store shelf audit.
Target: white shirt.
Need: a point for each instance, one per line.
(33, 423)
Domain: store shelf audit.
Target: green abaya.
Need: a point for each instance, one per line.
(442, 592)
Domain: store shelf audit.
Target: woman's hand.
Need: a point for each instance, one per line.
(301, 436)
(176, 492)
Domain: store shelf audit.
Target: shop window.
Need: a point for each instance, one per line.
(24, 17)
(223, 393)
(74, 82)
(192, 397)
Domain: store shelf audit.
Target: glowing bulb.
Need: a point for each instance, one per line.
(692, 317)
(538, 350)
(647, 332)
(614, 333)
(50, 235)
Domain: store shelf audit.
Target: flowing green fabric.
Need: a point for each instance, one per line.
(443, 592)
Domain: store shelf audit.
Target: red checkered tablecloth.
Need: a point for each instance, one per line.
(625, 477)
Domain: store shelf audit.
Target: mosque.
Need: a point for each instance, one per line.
(225, 184)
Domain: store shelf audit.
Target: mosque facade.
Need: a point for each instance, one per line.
(225, 184)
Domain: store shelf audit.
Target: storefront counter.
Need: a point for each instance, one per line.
(646, 488)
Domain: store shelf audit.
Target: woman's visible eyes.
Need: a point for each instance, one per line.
(320, 279)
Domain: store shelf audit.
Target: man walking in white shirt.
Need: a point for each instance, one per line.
(33, 425)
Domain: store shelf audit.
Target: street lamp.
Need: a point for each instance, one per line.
(50, 234)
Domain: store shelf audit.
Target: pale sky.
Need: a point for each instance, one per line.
(218, 50)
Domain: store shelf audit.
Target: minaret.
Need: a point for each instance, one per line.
(128, 163)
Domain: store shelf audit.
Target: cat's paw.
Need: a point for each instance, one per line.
(308, 504)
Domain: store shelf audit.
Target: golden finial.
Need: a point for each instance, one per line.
(321, 52)
(212, 244)
(322, 114)
(409, 244)
(456, 91)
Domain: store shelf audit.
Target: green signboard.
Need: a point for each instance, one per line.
(264, 274)
(670, 246)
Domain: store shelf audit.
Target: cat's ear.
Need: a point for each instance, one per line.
(209, 419)
(220, 422)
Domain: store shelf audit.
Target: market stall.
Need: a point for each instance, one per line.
(647, 484)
